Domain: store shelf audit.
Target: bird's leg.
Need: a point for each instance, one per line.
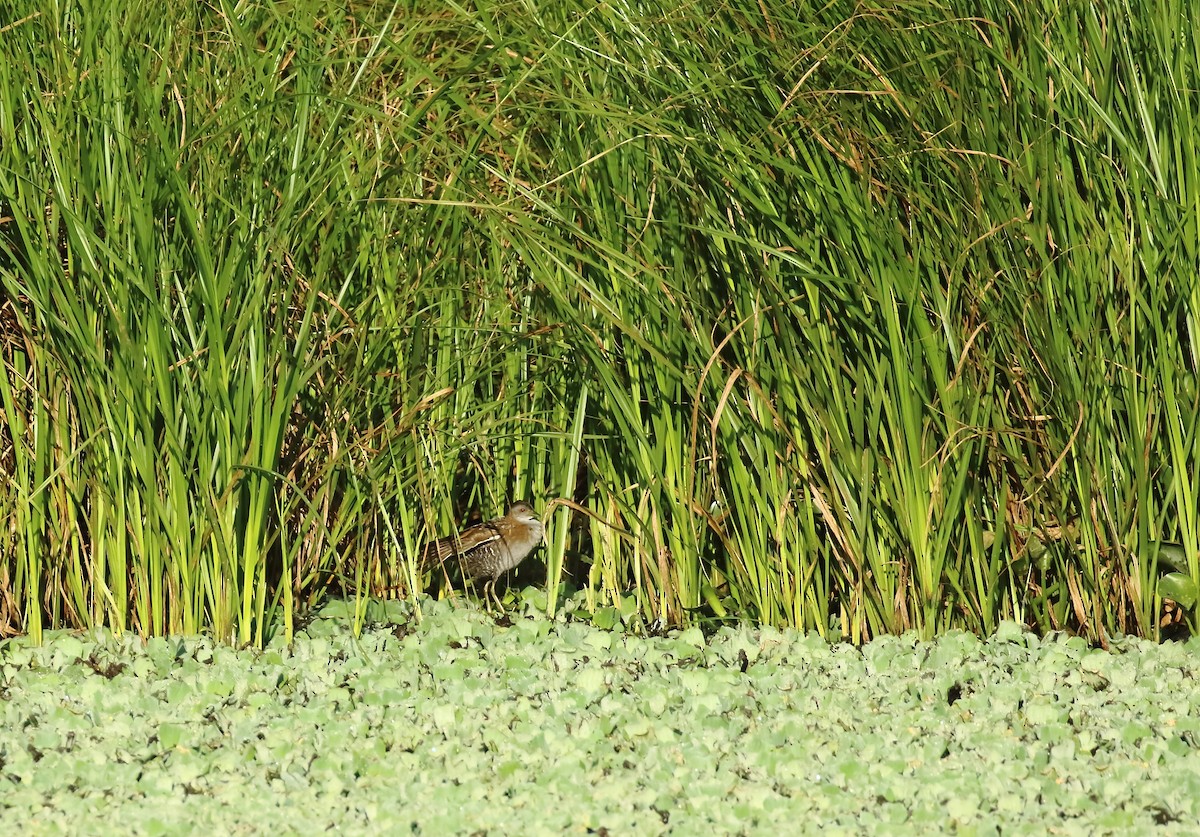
(495, 595)
(499, 603)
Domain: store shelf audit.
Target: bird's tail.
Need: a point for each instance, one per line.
(436, 552)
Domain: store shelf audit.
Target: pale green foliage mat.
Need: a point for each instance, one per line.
(457, 725)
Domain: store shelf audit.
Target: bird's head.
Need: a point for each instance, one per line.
(523, 512)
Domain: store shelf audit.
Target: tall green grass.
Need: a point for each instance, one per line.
(855, 318)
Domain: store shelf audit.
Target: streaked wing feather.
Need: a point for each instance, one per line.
(470, 539)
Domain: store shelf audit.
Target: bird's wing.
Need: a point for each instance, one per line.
(470, 538)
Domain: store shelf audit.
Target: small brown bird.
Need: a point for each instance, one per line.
(490, 549)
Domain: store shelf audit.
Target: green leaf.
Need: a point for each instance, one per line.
(169, 735)
(1179, 588)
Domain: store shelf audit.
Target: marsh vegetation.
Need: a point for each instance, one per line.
(853, 318)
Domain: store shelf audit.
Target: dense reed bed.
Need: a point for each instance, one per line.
(860, 318)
